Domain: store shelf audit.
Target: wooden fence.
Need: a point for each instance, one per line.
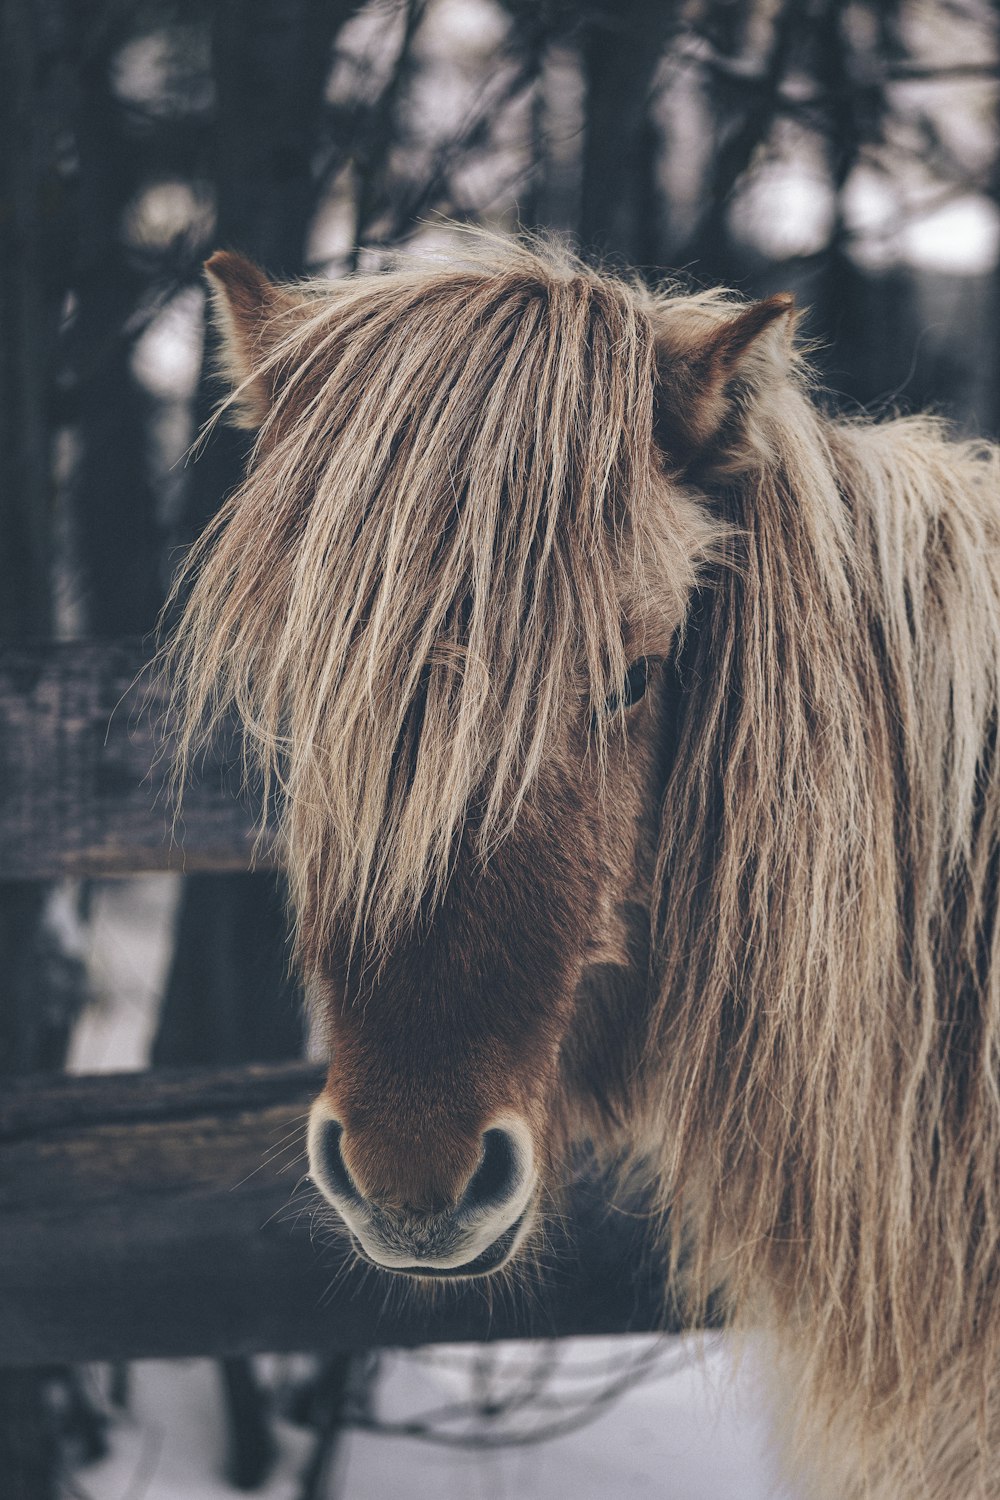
(167, 1213)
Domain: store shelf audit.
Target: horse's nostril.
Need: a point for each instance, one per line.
(333, 1166)
(497, 1176)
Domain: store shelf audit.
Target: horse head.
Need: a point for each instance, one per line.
(442, 604)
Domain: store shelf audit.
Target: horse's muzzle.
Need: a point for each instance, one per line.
(472, 1237)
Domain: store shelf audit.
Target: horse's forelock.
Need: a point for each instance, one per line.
(421, 578)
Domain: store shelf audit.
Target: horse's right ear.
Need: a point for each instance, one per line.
(247, 310)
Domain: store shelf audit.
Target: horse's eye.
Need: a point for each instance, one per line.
(633, 688)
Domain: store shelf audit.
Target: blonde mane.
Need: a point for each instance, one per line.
(450, 497)
(827, 1086)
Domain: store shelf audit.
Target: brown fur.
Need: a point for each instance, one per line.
(755, 921)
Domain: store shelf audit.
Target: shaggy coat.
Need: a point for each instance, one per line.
(750, 920)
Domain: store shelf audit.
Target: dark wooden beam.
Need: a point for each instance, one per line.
(160, 1214)
(83, 756)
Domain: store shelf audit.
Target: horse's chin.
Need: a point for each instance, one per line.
(488, 1261)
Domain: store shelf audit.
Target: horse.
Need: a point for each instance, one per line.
(630, 721)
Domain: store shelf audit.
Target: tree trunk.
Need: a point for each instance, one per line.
(117, 544)
(33, 227)
(33, 214)
(620, 206)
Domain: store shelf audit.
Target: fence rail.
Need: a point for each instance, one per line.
(158, 1214)
(83, 766)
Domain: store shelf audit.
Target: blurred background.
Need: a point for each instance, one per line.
(846, 151)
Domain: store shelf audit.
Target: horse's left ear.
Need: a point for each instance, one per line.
(250, 314)
(707, 376)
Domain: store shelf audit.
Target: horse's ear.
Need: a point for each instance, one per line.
(707, 376)
(250, 314)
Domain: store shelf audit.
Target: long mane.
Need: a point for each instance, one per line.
(827, 1083)
(420, 579)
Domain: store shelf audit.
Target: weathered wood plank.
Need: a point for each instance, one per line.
(161, 1214)
(82, 768)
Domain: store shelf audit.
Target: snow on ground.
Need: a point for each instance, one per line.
(126, 948)
(689, 1431)
(691, 1427)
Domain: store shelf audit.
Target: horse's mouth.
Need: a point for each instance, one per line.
(488, 1260)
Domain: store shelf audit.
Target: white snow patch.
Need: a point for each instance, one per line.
(691, 1429)
(128, 945)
